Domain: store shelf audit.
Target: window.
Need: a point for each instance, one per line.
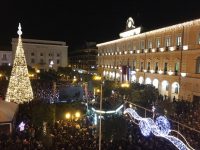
(148, 66)
(32, 60)
(165, 68)
(198, 65)
(32, 54)
(141, 66)
(167, 87)
(41, 61)
(58, 54)
(176, 68)
(50, 54)
(142, 46)
(167, 41)
(4, 57)
(150, 44)
(198, 39)
(176, 89)
(41, 54)
(156, 67)
(58, 61)
(178, 40)
(158, 43)
(134, 64)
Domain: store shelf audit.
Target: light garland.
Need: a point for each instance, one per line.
(160, 128)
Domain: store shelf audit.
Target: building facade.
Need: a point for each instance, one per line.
(42, 54)
(5, 58)
(168, 58)
(84, 58)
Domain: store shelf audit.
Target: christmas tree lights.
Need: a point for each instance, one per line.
(19, 87)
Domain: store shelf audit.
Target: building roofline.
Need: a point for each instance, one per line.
(35, 41)
(180, 25)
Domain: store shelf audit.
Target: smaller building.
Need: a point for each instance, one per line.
(85, 57)
(43, 54)
(5, 56)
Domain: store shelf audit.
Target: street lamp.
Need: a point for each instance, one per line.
(101, 90)
(68, 115)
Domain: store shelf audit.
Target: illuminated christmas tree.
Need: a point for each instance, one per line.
(19, 87)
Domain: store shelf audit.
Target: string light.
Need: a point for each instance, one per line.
(160, 128)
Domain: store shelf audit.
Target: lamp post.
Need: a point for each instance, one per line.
(99, 78)
(100, 117)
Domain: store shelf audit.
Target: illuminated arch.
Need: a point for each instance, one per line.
(175, 87)
(165, 87)
(155, 83)
(141, 80)
(148, 81)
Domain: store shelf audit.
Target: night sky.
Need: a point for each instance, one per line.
(79, 21)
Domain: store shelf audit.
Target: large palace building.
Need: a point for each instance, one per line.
(168, 58)
(43, 54)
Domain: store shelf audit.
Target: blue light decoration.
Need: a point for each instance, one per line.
(161, 128)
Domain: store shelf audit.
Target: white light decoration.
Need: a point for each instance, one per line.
(185, 47)
(115, 53)
(125, 52)
(51, 64)
(131, 52)
(162, 49)
(183, 74)
(145, 70)
(152, 71)
(138, 51)
(137, 70)
(112, 53)
(160, 71)
(19, 87)
(21, 126)
(108, 112)
(153, 32)
(153, 50)
(130, 32)
(160, 128)
(171, 48)
(146, 50)
(120, 53)
(170, 72)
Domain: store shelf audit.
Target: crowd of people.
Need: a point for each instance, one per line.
(81, 135)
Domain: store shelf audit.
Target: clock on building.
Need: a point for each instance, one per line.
(130, 23)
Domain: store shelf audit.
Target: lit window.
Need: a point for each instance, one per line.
(150, 44)
(158, 42)
(198, 38)
(167, 41)
(176, 68)
(198, 65)
(178, 40)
